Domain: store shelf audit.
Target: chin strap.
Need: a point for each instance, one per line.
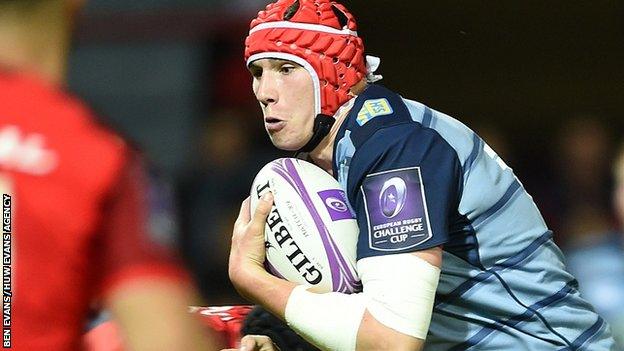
(322, 126)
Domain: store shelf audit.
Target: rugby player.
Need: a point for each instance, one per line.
(453, 253)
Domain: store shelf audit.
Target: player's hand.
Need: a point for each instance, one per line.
(247, 253)
(256, 343)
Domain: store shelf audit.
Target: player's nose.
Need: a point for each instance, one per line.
(266, 91)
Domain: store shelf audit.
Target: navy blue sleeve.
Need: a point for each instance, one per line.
(404, 184)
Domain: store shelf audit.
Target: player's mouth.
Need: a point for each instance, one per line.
(273, 124)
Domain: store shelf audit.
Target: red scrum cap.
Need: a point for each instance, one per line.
(319, 35)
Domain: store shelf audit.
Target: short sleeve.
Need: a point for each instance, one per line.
(404, 184)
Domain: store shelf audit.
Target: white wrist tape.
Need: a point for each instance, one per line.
(401, 291)
(330, 321)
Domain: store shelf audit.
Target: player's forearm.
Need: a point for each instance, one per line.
(260, 287)
(332, 312)
(341, 322)
(393, 313)
(372, 335)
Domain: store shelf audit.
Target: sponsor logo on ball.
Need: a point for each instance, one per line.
(289, 247)
(336, 204)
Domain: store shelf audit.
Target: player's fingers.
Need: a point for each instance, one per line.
(248, 343)
(257, 343)
(244, 215)
(262, 211)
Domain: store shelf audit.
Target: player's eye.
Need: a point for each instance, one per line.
(287, 69)
(255, 72)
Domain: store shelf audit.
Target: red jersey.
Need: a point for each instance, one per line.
(79, 214)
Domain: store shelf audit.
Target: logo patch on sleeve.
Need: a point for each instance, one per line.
(396, 209)
(373, 108)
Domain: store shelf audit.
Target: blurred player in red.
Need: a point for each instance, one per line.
(81, 220)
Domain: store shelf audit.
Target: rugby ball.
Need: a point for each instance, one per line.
(311, 232)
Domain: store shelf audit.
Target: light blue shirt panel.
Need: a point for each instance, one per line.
(545, 271)
(416, 109)
(485, 183)
(511, 210)
(566, 310)
(445, 332)
(510, 230)
(578, 318)
(455, 272)
(529, 268)
(491, 333)
(510, 340)
(445, 327)
(457, 134)
(344, 153)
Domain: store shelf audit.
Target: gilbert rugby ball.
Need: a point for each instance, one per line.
(310, 233)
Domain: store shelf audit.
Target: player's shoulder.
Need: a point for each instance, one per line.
(376, 108)
(452, 131)
(381, 119)
(379, 115)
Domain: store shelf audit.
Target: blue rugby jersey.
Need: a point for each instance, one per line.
(418, 178)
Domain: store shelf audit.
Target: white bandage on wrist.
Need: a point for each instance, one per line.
(400, 289)
(330, 321)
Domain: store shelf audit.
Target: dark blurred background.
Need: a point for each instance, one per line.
(541, 81)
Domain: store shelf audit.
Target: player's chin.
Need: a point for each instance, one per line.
(287, 144)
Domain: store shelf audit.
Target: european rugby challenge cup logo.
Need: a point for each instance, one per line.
(392, 197)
